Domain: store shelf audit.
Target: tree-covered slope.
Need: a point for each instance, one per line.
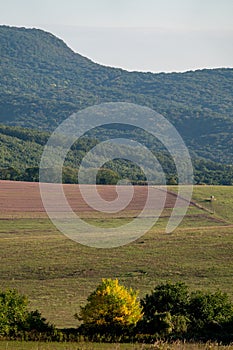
(21, 150)
(43, 82)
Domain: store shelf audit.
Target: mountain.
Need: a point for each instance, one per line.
(43, 81)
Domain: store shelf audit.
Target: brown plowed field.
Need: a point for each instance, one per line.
(24, 197)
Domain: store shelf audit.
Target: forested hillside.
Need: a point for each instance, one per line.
(43, 82)
(21, 150)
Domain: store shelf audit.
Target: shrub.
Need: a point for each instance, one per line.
(111, 309)
(13, 312)
(199, 315)
(173, 298)
(16, 321)
(209, 311)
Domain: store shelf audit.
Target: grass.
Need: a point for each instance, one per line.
(223, 203)
(13, 345)
(68, 346)
(58, 274)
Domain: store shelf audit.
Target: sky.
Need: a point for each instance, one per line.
(142, 35)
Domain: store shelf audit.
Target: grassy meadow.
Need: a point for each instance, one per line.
(58, 274)
(13, 345)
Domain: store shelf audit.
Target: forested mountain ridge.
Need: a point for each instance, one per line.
(43, 82)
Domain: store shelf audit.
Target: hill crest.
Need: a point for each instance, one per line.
(43, 81)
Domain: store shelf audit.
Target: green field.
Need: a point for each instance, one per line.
(13, 345)
(58, 274)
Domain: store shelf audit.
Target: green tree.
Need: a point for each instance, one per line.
(13, 312)
(107, 177)
(166, 297)
(36, 323)
(16, 320)
(69, 175)
(31, 174)
(111, 304)
(171, 310)
(165, 310)
(209, 309)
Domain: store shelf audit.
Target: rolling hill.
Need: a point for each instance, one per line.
(43, 81)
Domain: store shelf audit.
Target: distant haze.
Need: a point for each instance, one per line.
(144, 35)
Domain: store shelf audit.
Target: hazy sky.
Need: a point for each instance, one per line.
(146, 35)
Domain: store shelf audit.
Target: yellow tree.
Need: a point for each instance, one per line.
(111, 304)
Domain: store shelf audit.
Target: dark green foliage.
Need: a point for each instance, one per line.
(166, 298)
(165, 310)
(35, 322)
(107, 177)
(171, 310)
(209, 310)
(160, 325)
(21, 150)
(16, 320)
(43, 82)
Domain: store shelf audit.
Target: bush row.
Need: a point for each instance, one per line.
(113, 313)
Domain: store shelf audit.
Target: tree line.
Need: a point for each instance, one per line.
(204, 174)
(21, 150)
(114, 313)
